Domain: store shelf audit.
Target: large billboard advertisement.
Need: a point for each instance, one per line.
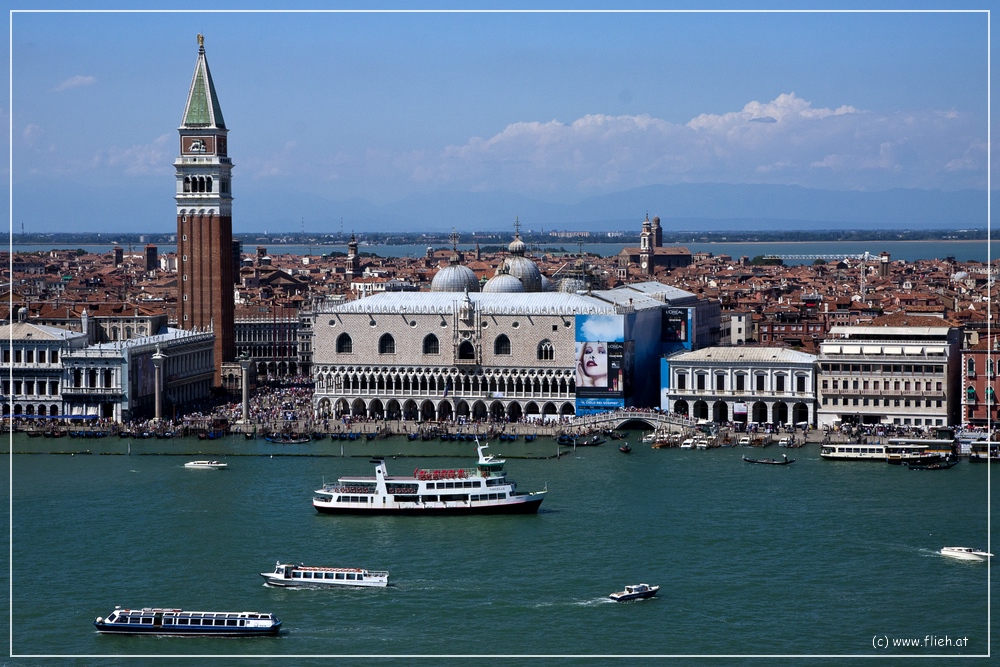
(145, 375)
(600, 356)
(677, 329)
(675, 325)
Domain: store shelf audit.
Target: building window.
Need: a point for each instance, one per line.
(344, 344)
(720, 382)
(466, 350)
(741, 382)
(760, 381)
(501, 346)
(779, 382)
(700, 379)
(431, 345)
(800, 383)
(546, 352)
(387, 344)
(682, 381)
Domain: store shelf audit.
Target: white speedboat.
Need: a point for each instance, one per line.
(206, 465)
(485, 489)
(688, 443)
(635, 592)
(286, 574)
(965, 553)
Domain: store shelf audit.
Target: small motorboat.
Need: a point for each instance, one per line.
(936, 465)
(206, 465)
(288, 439)
(624, 448)
(771, 462)
(635, 592)
(965, 553)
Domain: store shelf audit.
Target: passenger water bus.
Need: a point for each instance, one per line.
(918, 450)
(286, 575)
(853, 451)
(484, 489)
(158, 621)
(984, 450)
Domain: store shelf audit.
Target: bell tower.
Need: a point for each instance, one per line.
(204, 217)
(646, 247)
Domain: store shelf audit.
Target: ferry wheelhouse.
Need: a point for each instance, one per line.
(853, 451)
(484, 489)
(286, 575)
(159, 621)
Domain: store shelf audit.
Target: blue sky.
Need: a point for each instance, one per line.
(552, 106)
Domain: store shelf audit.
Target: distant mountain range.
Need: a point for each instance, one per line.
(684, 207)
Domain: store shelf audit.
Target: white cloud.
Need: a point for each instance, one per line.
(74, 82)
(601, 327)
(32, 133)
(155, 157)
(786, 140)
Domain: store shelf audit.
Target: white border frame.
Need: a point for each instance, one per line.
(10, 455)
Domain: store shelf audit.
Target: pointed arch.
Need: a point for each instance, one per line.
(501, 345)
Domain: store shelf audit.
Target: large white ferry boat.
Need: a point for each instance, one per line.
(853, 451)
(287, 575)
(160, 621)
(484, 489)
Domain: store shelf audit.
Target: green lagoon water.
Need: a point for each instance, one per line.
(814, 559)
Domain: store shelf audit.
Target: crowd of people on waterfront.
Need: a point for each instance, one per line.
(285, 404)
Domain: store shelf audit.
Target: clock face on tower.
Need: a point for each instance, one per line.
(644, 264)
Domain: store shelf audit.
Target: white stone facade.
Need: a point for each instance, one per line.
(906, 376)
(443, 356)
(766, 385)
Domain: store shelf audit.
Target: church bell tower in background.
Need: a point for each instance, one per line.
(204, 217)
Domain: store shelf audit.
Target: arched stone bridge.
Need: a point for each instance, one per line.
(648, 419)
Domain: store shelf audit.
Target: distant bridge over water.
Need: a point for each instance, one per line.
(637, 418)
(864, 256)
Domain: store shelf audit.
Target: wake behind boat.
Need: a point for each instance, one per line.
(286, 575)
(635, 592)
(158, 621)
(484, 489)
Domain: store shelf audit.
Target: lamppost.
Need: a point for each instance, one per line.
(245, 361)
(158, 360)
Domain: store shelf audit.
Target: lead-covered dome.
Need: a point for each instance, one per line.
(503, 282)
(455, 278)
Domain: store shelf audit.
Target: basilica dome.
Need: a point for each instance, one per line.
(503, 282)
(455, 278)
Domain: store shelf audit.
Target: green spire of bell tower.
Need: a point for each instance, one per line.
(202, 109)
